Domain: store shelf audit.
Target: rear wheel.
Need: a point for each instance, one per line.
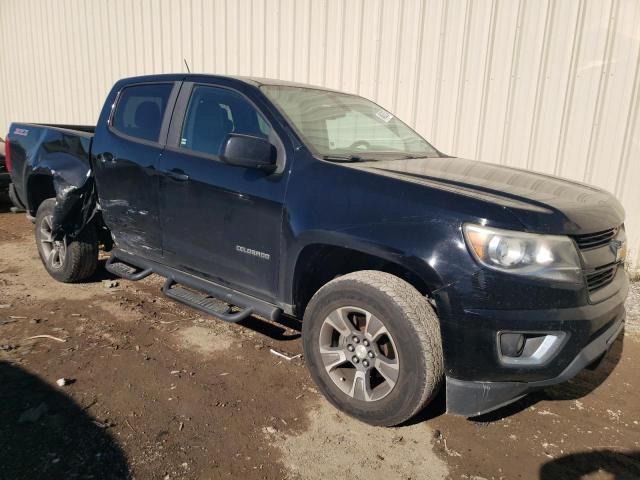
(66, 260)
(372, 343)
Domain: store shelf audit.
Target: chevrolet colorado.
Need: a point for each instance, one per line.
(410, 269)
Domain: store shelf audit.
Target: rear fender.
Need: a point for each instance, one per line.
(64, 170)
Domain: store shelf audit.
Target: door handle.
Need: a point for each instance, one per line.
(178, 174)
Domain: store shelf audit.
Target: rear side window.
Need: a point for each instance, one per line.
(213, 113)
(140, 110)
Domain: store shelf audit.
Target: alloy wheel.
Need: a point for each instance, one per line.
(54, 250)
(359, 354)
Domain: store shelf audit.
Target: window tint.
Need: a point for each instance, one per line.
(213, 113)
(140, 110)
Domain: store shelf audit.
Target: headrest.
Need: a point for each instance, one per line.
(145, 112)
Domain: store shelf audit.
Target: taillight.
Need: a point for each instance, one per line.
(7, 154)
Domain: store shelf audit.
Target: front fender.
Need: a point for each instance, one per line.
(432, 250)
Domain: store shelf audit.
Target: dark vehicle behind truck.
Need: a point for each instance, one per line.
(409, 268)
(5, 179)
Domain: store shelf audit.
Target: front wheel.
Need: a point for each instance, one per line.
(66, 260)
(372, 343)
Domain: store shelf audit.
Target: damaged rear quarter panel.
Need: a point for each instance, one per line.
(55, 160)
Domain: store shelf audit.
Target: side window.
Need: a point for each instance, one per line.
(213, 113)
(140, 110)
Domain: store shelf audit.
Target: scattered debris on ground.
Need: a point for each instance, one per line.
(286, 357)
(153, 389)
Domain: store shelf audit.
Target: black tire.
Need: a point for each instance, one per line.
(80, 259)
(411, 322)
(13, 197)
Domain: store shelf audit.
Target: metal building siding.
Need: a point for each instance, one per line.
(549, 85)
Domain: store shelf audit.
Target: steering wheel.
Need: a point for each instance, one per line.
(360, 143)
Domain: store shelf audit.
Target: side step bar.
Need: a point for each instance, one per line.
(207, 297)
(203, 302)
(125, 270)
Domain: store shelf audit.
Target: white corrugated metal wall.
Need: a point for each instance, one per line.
(550, 85)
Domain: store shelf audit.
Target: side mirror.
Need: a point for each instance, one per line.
(249, 152)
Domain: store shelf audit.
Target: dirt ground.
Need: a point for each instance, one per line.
(159, 391)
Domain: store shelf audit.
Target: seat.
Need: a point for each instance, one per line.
(211, 127)
(147, 120)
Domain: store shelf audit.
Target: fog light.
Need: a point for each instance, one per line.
(511, 344)
(528, 348)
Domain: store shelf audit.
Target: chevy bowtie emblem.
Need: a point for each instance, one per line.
(619, 248)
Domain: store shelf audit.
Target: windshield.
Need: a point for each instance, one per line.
(337, 125)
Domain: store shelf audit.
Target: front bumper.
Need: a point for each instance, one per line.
(478, 381)
(470, 399)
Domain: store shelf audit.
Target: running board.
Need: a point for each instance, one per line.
(203, 302)
(200, 293)
(124, 270)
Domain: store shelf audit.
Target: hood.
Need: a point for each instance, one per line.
(542, 203)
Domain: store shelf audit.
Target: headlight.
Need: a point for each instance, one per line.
(552, 257)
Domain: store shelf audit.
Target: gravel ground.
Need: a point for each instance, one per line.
(159, 391)
(633, 308)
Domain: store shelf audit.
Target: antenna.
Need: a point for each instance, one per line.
(186, 65)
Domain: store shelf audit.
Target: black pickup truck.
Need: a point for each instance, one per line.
(410, 269)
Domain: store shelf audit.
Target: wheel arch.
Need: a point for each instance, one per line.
(39, 188)
(320, 262)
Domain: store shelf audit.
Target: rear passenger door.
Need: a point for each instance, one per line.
(221, 221)
(125, 157)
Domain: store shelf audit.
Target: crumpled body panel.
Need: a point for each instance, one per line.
(52, 158)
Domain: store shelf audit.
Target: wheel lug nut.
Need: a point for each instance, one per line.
(356, 339)
(355, 359)
(370, 353)
(365, 343)
(350, 348)
(365, 363)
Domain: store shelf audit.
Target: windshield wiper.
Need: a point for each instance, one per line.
(400, 155)
(342, 158)
(371, 156)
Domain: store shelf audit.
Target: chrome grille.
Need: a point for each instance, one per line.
(594, 240)
(601, 277)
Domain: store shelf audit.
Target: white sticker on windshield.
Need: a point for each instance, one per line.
(384, 116)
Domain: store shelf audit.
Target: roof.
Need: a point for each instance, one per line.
(254, 81)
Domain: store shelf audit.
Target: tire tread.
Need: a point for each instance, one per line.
(419, 314)
(422, 317)
(82, 252)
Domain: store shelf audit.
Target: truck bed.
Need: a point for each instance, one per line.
(52, 161)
